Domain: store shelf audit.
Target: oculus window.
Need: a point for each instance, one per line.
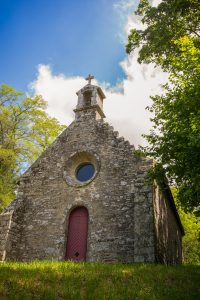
(85, 172)
(81, 168)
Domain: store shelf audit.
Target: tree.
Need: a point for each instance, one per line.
(25, 131)
(191, 240)
(171, 41)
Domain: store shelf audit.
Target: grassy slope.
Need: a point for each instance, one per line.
(68, 280)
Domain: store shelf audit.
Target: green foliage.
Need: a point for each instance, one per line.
(69, 280)
(171, 40)
(165, 25)
(25, 131)
(191, 240)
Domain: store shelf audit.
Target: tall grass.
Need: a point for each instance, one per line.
(69, 280)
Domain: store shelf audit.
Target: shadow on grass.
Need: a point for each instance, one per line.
(69, 280)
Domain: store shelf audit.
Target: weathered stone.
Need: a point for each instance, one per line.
(129, 221)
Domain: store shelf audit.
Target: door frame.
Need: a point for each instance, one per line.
(66, 223)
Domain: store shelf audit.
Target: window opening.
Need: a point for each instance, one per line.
(85, 172)
(87, 98)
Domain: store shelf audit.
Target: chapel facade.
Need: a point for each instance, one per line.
(87, 198)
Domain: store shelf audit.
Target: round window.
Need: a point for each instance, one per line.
(81, 168)
(85, 172)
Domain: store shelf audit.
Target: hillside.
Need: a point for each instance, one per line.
(68, 280)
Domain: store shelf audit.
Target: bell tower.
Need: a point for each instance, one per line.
(90, 101)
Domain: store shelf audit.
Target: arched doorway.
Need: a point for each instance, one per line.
(77, 234)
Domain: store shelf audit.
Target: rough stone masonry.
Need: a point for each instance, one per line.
(126, 220)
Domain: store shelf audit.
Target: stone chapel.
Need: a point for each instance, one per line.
(87, 198)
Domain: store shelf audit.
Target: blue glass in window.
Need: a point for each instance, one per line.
(85, 172)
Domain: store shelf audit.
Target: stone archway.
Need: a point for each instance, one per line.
(77, 234)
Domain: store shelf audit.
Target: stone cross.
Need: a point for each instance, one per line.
(89, 78)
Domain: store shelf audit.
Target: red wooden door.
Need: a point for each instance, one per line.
(77, 234)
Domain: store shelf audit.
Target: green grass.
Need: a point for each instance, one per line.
(68, 280)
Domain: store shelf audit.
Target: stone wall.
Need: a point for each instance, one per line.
(168, 228)
(144, 244)
(128, 220)
(5, 224)
(119, 202)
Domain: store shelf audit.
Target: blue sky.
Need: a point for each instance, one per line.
(48, 47)
(75, 37)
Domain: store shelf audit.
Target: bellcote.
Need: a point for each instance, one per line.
(90, 101)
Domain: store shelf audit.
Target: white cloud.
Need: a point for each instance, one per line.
(124, 105)
(156, 2)
(59, 91)
(125, 10)
(127, 111)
